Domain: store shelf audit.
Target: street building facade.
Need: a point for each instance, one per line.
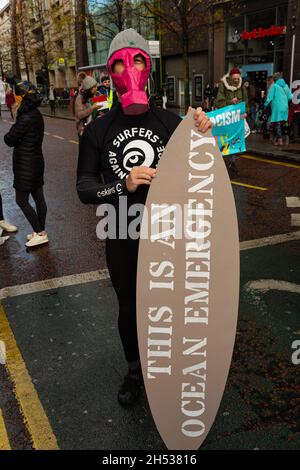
(5, 34)
(52, 39)
(46, 42)
(258, 39)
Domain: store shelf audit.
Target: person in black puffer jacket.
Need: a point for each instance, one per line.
(26, 136)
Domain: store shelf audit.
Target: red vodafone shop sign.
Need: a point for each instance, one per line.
(258, 33)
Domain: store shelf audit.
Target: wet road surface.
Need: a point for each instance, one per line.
(74, 247)
(64, 338)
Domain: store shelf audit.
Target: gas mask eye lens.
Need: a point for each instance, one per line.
(139, 59)
(118, 66)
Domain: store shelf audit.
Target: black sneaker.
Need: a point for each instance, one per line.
(131, 387)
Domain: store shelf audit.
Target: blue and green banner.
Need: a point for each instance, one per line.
(229, 128)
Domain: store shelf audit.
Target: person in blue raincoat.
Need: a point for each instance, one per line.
(278, 98)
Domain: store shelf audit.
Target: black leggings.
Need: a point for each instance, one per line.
(1, 209)
(37, 219)
(121, 258)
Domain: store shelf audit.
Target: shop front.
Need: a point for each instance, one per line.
(255, 43)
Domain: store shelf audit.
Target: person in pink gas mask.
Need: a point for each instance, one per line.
(130, 69)
(118, 155)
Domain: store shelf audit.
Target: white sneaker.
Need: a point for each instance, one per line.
(36, 240)
(7, 226)
(29, 237)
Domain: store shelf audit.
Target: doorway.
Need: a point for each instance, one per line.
(181, 93)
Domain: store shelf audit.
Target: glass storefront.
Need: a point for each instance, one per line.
(263, 49)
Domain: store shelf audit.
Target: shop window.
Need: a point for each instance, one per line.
(234, 29)
(198, 88)
(181, 97)
(171, 88)
(265, 19)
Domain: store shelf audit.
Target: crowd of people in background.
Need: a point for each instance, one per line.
(270, 112)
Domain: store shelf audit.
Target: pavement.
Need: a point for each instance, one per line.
(58, 318)
(257, 145)
(61, 112)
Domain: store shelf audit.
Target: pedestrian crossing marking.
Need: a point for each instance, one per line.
(292, 201)
(4, 441)
(249, 186)
(272, 162)
(295, 220)
(31, 408)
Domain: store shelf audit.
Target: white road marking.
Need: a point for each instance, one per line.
(54, 283)
(273, 240)
(92, 276)
(264, 285)
(295, 220)
(292, 201)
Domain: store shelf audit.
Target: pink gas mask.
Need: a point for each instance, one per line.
(131, 83)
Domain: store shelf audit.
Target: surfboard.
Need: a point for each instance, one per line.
(188, 287)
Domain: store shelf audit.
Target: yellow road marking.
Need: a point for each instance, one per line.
(249, 186)
(74, 142)
(34, 415)
(264, 160)
(4, 441)
(58, 137)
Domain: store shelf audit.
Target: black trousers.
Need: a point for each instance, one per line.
(121, 258)
(1, 209)
(37, 219)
